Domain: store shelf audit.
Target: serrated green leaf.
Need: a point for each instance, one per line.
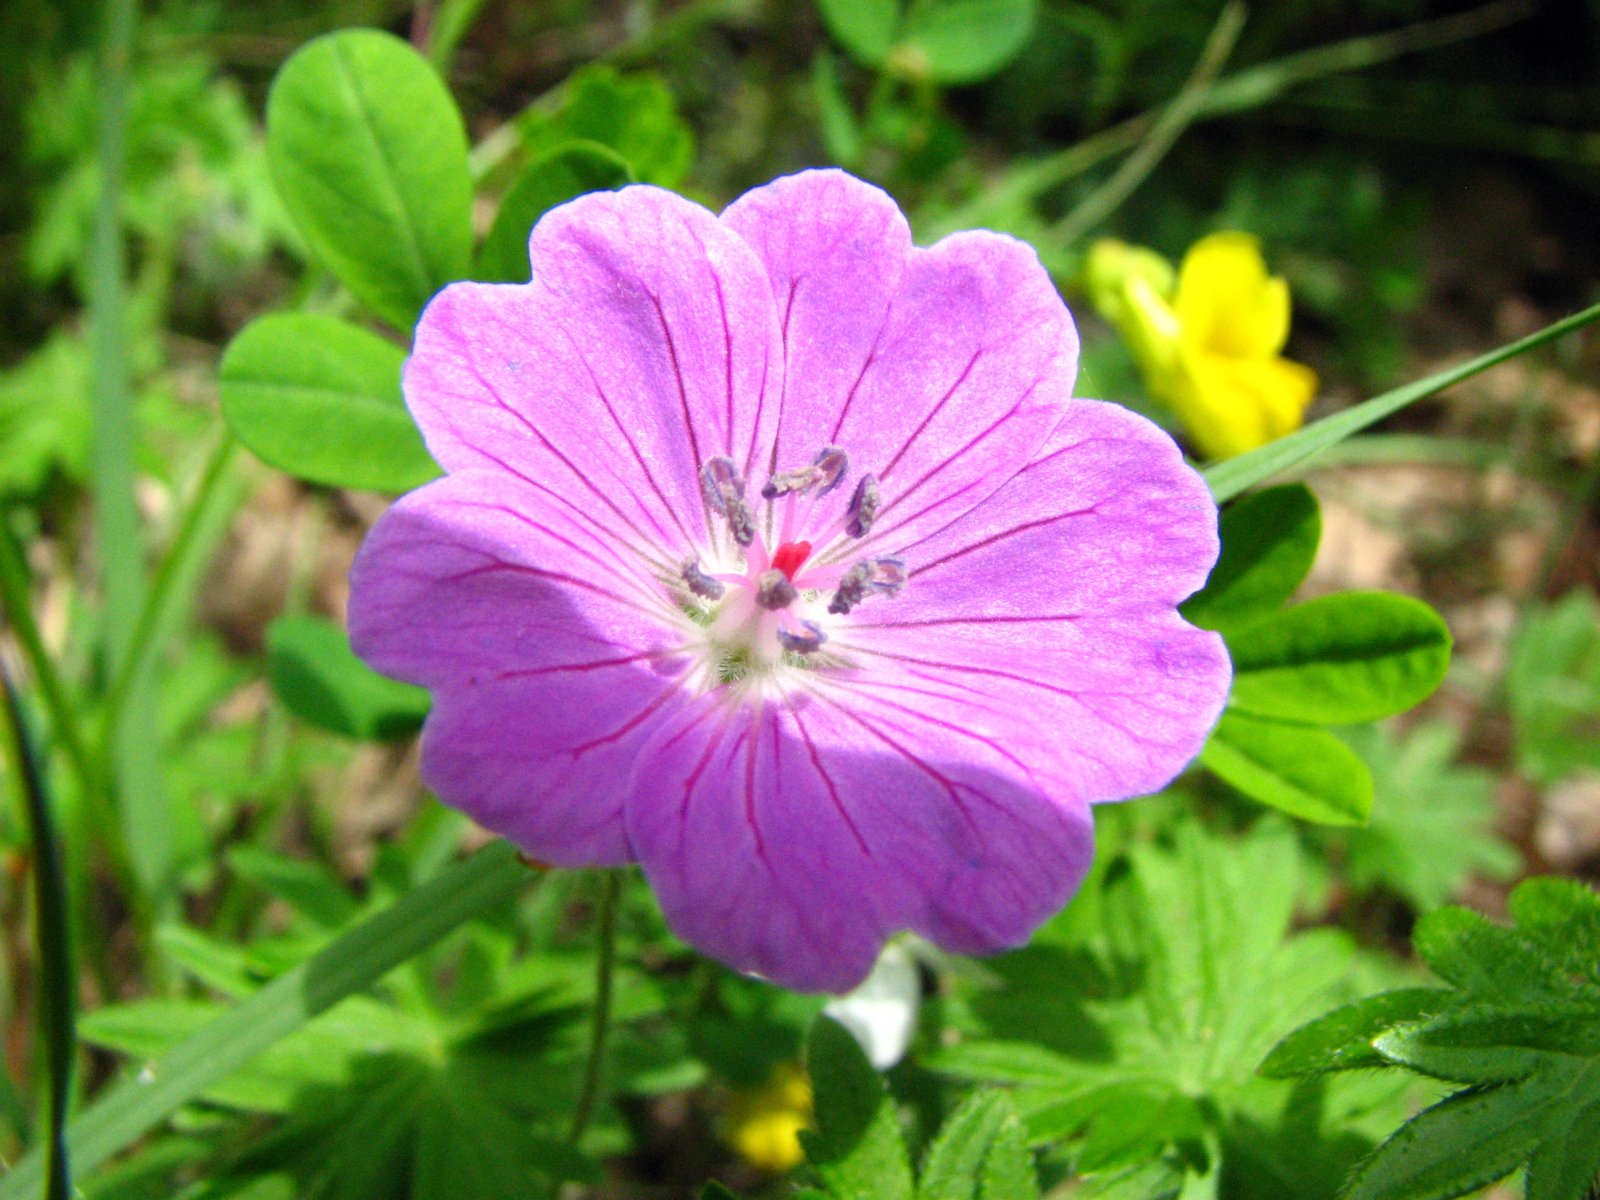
(1562, 917)
(1340, 659)
(369, 155)
(980, 1152)
(1490, 962)
(564, 173)
(1159, 1179)
(1342, 1039)
(1489, 1045)
(319, 678)
(1135, 1123)
(963, 41)
(1566, 1166)
(1008, 1173)
(320, 398)
(865, 28)
(1553, 688)
(1303, 771)
(1460, 1144)
(857, 1147)
(1268, 542)
(218, 965)
(1432, 821)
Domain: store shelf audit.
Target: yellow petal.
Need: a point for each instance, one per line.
(1226, 302)
(771, 1141)
(1230, 405)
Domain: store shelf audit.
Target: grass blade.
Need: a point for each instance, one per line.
(349, 964)
(1228, 479)
(53, 938)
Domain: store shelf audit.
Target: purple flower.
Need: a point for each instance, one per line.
(775, 555)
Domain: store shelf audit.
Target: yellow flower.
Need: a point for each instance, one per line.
(764, 1123)
(1208, 341)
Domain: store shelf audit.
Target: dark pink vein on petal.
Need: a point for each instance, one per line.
(933, 412)
(827, 780)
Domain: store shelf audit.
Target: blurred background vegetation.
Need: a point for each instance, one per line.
(1425, 174)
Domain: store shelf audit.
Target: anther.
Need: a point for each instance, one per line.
(871, 576)
(724, 491)
(824, 473)
(863, 507)
(807, 642)
(774, 591)
(700, 583)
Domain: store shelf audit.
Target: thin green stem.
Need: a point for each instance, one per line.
(1238, 92)
(600, 1031)
(1165, 131)
(15, 598)
(116, 515)
(1227, 479)
(53, 939)
(202, 515)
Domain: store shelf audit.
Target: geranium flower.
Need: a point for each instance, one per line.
(1208, 340)
(774, 554)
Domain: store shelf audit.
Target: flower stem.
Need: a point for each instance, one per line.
(604, 970)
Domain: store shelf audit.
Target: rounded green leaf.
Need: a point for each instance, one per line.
(320, 399)
(319, 678)
(863, 27)
(962, 41)
(1307, 773)
(547, 181)
(1268, 541)
(1339, 660)
(370, 156)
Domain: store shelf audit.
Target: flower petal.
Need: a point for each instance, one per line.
(646, 344)
(973, 369)
(835, 249)
(548, 653)
(1227, 303)
(1057, 598)
(790, 838)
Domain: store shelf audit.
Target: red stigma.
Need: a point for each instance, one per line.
(790, 557)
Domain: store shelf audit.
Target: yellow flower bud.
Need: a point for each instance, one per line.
(764, 1123)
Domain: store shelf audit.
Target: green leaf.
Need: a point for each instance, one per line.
(370, 157)
(309, 887)
(857, 1148)
(979, 1153)
(1156, 1180)
(841, 132)
(962, 41)
(349, 964)
(319, 678)
(1432, 824)
(547, 181)
(635, 115)
(1342, 1039)
(1339, 660)
(320, 399)
(716, 1191)
(1487, 1044)
(1228, 479)
(45, 423)
(1305, 772)
(865, 28)
(1553, 686)
(1268, 542)
(1492, 963)
(1460, 1144)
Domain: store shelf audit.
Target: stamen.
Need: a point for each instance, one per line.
(831, 463)
(773, 590)
(825, 473)
(807, 642)
(700, 583)
(724, 491)
(871, 576)
(863, 509)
